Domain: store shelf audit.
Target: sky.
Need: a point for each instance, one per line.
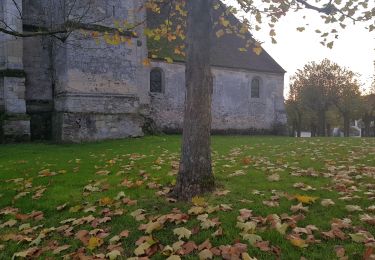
(354, 49)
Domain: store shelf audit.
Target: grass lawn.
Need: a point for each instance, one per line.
(109, 197)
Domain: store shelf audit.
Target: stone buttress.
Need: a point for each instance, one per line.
(14, 122)
(84, 88)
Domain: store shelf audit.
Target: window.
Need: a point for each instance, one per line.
(156, 80)
(255, 88)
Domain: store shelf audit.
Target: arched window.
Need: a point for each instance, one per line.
(156, 80)
(255, 88)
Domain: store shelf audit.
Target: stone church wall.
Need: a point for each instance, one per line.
(233, 109)
(99, 83)
(85, 89)
(39, 86)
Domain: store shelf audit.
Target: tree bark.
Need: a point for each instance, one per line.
(346, 125)
(322, 123)
(292, 133)
(367, 122)
(313, 130)
(329, 130)
(299, 125)
(195, 174)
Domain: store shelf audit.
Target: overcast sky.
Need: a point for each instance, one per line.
(354, 48)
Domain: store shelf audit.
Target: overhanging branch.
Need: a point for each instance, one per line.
(64, 30)
(328, 9)
(32, 34)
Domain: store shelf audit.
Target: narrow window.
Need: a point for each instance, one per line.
(255, 88)
(156, 80)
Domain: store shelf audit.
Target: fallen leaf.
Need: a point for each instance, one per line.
(182, 232)
(114, 254)
(274, 177)
(306, 199)
(252, 238)
(205, 254)
(327, 202)
(59, 249)
(94, 242)
(298, 242)
(352, 208)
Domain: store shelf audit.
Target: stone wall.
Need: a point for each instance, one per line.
(14, 123)
(39, 86)
(82, 127)
(233, 109)
(85, 79)
(85, 89)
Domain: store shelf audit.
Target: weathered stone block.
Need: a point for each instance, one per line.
(15, 130)
(83, 127)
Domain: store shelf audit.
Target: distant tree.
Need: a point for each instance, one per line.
(348, 96)
(368, 114)
(317, 90)
(295, 108)
(323, 90)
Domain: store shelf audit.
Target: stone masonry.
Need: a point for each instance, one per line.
(233, 109)
(14, 122)
(84, 89)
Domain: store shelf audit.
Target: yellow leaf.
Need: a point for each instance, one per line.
(152, 226)
(220, 33)
(196, 210)
(298, 242)
(146, 62)
(198, 201)
(306, 199)
(258, 50)
(169, 60)
(224, 22)
(94, 242)
(105, 201)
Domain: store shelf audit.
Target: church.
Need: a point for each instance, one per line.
(75, 87)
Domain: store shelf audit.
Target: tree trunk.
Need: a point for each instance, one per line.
(292, 132)
(346, 125)
(329, 130)
(299, 125)
(322, 123)
(367, 122)
(195, 174)
(313, 130)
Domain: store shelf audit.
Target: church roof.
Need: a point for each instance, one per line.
(225, 49)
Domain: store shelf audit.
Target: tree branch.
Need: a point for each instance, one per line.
(328, 9)
(67, 29)
(32, 34)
